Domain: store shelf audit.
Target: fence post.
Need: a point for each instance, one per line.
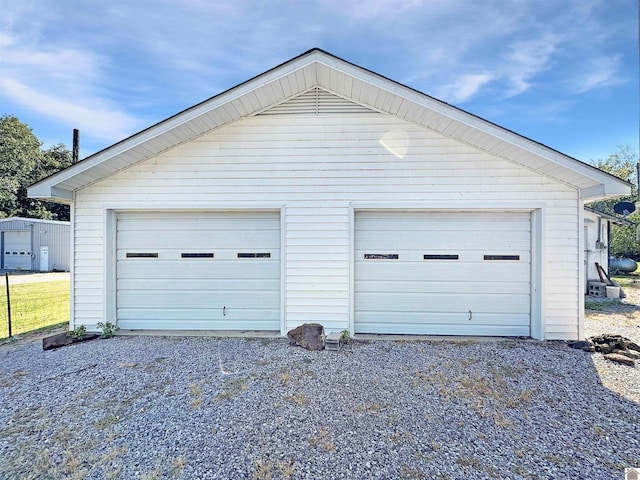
(6, 276)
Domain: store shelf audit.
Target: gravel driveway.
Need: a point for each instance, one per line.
(187, 408)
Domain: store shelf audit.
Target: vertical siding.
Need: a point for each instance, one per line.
(316, 166)
(54, 235)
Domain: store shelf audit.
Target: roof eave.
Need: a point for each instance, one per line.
(590, 181)
(606, 189)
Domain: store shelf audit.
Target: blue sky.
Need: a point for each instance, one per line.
(564, 73)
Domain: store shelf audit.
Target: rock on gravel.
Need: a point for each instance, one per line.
(189, 408)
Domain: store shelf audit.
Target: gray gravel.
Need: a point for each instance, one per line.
(189, 408)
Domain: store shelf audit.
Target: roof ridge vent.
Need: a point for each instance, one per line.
(317, 101)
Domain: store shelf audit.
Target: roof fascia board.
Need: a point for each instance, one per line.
(172, 122)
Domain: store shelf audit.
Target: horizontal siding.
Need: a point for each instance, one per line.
(316, 166)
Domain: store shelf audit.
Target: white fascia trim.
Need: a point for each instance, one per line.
(44, 188)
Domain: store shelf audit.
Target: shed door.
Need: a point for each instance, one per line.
(198, 271)
(17, 250)
(443, 273)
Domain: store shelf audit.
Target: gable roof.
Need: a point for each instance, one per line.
(285, 86)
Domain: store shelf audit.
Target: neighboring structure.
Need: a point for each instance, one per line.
(597, 238)
(322, 192)
(34, 244)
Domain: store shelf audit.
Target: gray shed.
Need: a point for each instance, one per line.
(34, 244)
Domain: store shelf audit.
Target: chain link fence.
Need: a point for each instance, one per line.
(27, 305)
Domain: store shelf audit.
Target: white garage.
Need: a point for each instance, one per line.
(198, 271)
(322, 192)
(34, 244)
(17, 250)
(443, 273)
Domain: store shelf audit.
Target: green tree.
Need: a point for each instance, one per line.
(23, 162)
(622, 164)
(19, 153)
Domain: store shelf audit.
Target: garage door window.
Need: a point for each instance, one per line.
(141, 255)
(440, 257)
(254, 255)
(197, 255)
(381, 256)
(502, 257)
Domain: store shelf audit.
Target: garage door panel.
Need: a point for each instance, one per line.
(193, 322)
(447, 325)
(222, 292)
(205, 299)
(206, 284)
(194, 222)
(235, 240)
(374, 220)
(443, 302)
(489, 273)
(463, 273)
(446, 240)
(437, 286)
(179, 315)
(444, 318)
(168, 271)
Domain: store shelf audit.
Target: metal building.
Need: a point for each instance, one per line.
(34, 244)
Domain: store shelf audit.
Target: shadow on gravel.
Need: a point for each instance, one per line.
(170, 407)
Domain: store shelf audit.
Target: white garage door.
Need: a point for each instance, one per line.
(198, 271)
(17, 250)
(443, 273)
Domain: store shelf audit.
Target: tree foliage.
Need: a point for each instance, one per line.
(23, 161)
(622, 164)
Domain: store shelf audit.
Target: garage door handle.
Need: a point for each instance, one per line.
(224, 311)
(470, 315)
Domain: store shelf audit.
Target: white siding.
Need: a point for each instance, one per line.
(315, 166)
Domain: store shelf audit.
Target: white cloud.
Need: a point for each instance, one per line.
(61, 83)
(598, 72)
(464, 87)
(90, 115)
(526, 60)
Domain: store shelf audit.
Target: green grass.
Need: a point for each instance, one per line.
(629, 280)
(34, 306)
(595, 306)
